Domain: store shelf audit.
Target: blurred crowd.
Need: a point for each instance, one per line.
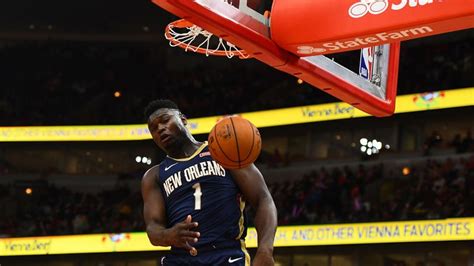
(56, 83)
(459, 143)
(66, 82)
(49, 210)
(432, 190)
(429, 190)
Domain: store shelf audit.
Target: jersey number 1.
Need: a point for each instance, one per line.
(197, 196)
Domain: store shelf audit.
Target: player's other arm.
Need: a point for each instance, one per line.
(254, 189)
(154, 213)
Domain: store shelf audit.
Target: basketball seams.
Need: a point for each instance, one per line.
(236, 141)
(223, 148)
(220, 148)
(227, 166)
(253, 141)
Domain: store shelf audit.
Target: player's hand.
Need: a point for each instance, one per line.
(181, 234)
(263, 259)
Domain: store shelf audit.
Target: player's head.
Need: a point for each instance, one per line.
(166, 123)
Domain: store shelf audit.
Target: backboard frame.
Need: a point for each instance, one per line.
(250, 34)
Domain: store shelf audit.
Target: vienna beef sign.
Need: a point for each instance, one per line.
(286, 236)
(371, 233)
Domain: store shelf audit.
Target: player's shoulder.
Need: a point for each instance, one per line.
(152, 174)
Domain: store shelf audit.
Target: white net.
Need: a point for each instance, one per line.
(193, 38)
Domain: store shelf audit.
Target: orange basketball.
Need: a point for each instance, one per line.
(234, 142)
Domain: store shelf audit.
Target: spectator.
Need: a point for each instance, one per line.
(74, 82)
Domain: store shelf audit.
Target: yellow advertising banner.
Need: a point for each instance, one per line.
(278, 117)
(71, 244)
(460, 229)
(371, 233)
(74, 133)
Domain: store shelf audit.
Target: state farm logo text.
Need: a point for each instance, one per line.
(375, 7)
(367, 41)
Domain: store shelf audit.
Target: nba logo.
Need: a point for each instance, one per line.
(366, 64)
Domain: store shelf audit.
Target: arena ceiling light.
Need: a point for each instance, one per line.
(143, 159)
(370, 147)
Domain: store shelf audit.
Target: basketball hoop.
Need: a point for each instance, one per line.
(182, 33)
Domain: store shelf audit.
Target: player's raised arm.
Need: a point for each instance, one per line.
(180, 235)
(254, 189)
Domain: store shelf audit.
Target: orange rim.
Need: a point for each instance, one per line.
(181, 24)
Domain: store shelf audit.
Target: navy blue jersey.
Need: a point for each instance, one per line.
(200, 187)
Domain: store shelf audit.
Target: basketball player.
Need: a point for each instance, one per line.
(194, 205)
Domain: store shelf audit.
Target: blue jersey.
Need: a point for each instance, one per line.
(200, 187)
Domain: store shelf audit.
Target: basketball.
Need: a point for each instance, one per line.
(234, 142)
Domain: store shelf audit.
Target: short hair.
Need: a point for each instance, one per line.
(153, 106)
